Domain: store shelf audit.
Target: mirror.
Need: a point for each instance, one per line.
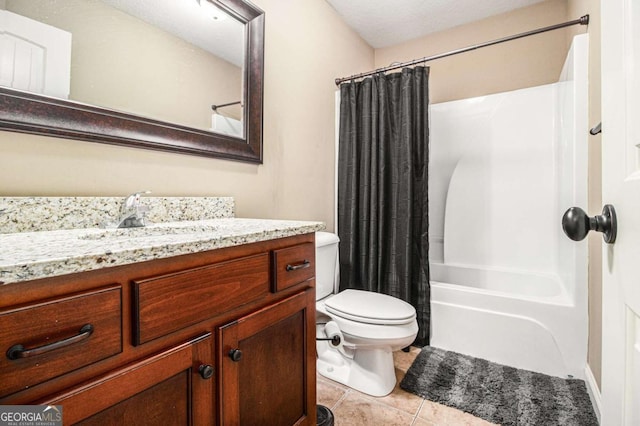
(129, 77)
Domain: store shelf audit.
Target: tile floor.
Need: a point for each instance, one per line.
(399, 408)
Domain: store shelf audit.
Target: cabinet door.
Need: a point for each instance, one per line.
(171, 388)
(267, 361)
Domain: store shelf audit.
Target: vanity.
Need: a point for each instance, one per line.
(207, 321)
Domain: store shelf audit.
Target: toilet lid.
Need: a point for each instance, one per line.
(371, 308)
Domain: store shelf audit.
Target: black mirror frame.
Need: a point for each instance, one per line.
(26, 112)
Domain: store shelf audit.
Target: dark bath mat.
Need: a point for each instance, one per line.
(497, 393)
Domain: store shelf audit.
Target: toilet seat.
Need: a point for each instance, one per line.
(370, 308)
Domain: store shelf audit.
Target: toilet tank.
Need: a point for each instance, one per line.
(326, 264)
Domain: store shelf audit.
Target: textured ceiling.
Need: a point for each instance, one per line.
(387, 22)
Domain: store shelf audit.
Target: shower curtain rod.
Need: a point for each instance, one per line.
(584, 20)
(215, 107)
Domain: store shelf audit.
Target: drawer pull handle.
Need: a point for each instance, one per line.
(19, 351)
(305, 264)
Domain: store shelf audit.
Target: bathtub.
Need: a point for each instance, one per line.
(506, 284)
(524, 320)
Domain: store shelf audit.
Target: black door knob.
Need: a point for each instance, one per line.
(206, 371)
(576, 224)
(235, 355)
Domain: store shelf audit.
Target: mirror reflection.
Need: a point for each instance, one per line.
(170, 60)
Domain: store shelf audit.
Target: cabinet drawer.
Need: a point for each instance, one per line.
(293, 265)
(167, 303)
(53, 338)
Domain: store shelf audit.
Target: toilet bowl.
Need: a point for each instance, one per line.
(361, 329)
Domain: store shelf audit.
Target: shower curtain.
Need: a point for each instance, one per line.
(383, 159)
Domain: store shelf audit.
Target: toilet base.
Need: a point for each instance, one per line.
(370, 371)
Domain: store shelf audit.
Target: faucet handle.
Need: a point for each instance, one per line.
(132, 213)
(133, 200)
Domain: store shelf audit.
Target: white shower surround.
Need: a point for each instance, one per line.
(507, 284)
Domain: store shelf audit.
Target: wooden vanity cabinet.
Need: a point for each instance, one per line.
(200, 339)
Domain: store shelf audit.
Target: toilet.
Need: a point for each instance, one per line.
(361, 329)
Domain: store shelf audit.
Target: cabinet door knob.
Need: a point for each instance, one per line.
(235, 355)
(206, 371)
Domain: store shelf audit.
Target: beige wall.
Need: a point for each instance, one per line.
(307, 46)
(526, 62)
(578, 8)
(518, 64)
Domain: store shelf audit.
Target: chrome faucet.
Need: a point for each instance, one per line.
(132, 213)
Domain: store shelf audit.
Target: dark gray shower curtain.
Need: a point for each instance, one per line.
(383, 159)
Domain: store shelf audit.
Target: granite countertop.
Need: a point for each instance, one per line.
(31, 255)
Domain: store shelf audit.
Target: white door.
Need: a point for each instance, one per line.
(34, 57)
(621, 187)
